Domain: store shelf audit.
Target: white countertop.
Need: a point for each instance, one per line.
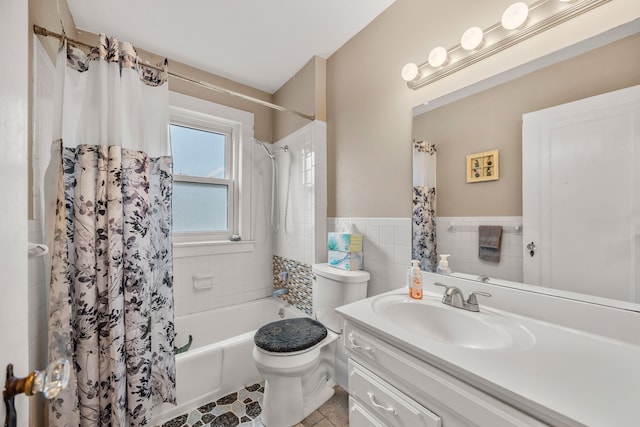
(567, 377)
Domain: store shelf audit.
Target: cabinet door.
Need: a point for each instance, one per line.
(387, 402)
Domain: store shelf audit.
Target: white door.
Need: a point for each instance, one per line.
(14, 313)
(581, 195)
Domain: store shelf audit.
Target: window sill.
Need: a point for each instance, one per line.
(191, 249)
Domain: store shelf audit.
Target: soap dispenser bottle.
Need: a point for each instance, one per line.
(415, 286)
(443, 266)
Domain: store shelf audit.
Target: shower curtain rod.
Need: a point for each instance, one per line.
(41, 31)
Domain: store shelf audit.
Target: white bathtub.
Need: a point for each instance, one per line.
(220, 359)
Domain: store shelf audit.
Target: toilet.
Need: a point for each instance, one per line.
(300, 358)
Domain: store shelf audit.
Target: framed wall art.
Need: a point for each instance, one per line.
(483, 166)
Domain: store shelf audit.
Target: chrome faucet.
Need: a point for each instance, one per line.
(453, 296)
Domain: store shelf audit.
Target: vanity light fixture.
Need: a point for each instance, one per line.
(519, 22)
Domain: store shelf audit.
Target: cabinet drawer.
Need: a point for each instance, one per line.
(360, 344)
(386, 402)
(360, 417)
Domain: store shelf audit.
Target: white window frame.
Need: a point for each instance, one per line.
(238, 125)
(189, 120)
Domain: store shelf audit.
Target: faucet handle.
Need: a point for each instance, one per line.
(472, 301)
(472, 297)
(443, 285)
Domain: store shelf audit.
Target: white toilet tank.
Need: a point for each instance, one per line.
(332, 288)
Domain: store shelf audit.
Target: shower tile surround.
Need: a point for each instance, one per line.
(301, 240)
(299, 283)
(245, 276)
(303, 195)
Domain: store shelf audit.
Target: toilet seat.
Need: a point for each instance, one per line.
(290, 336)
(290, 346)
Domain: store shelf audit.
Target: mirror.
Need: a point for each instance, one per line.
(488, 116)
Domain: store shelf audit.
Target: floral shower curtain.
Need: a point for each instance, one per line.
(424, 205)
(110, 185)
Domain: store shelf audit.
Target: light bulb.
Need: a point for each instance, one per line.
(515, 15)
(438, 56)
(410, 72)
(472, 38)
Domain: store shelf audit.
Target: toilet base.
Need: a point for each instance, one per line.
(297, 385)
(290, 399)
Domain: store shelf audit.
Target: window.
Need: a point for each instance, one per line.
(208, 178)
(203, 180)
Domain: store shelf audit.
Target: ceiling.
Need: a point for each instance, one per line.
(259, 43)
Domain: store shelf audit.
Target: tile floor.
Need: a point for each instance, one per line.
(334, 413)
(243, 408)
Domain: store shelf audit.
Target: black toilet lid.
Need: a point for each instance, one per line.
(290, 335)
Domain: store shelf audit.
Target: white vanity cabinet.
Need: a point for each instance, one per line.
(389, 387)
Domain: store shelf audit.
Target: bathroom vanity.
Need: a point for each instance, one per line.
(423, 363)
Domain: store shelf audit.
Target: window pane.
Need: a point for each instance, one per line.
(199, 207)
(197, 152)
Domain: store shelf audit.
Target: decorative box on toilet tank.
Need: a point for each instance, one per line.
(345, 251)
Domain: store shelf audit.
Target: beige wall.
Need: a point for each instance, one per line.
(493, 120)
(369, 106)
(44, 13)
(305, 92)
(263, 116)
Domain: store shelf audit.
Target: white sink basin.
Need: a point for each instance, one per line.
(429, 318)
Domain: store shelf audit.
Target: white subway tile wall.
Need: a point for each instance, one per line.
(461, 241)
(237, 278)
(303, 177)
(386, 248)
